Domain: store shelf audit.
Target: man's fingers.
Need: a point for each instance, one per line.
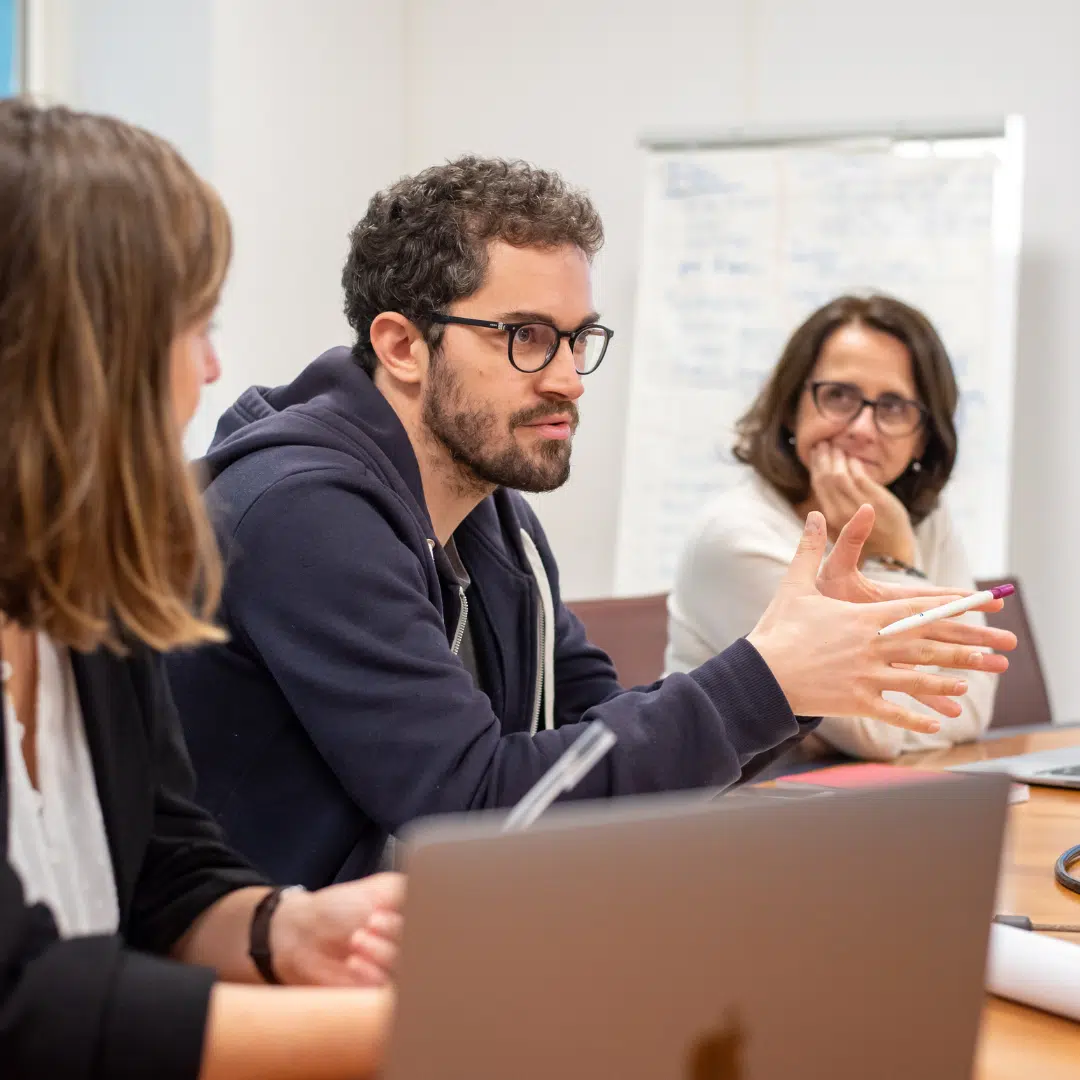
(925, 652)
(947, 706)
(803, 570)
(887, 612)
(992, 606)
(935, 593)
(900, 717)
(847, 551)
(921, 683)
(942, 594)
(965, 633)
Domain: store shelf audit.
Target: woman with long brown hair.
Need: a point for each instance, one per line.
(126, 923)
(859, 409)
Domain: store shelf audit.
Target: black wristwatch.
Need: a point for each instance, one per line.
(259, 941)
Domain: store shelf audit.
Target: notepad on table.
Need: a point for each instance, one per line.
(871, 774)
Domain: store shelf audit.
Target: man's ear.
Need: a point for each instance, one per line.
(400, 347)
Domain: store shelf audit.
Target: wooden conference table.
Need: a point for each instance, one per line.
(1018, 1043)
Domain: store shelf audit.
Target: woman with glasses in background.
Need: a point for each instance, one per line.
(859, 409)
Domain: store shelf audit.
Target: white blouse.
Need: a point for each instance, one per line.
(56, 835)
(735, 558)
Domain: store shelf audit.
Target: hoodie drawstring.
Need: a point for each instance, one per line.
(545, 673)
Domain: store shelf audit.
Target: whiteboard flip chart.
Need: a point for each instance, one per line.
(742, 243)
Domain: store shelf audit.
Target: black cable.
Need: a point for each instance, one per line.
(1064, 865)
(1062, 872)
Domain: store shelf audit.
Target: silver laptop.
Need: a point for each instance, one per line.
(678, 937)
(1047, 768)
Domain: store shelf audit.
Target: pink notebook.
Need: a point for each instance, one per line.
(871, 774)
(864, 774)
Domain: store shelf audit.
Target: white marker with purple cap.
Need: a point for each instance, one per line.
(946, 611)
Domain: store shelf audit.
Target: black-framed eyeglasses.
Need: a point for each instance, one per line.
(531, 346)
(894, 416)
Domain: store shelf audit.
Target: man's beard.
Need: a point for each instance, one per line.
(470, 433)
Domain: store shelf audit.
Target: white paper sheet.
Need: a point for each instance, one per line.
(1035, 970)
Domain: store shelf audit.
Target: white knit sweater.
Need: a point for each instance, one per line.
(735, 558)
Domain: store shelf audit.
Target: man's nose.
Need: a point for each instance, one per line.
(560, 377)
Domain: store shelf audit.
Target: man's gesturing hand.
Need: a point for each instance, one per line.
(828, 658)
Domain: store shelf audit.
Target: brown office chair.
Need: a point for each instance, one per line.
(632, 630)
(1021, 699)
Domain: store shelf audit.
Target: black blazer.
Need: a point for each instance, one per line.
(113, 1006)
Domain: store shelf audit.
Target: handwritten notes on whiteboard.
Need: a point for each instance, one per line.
(741, 245)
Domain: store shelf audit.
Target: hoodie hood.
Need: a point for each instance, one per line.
(332, 404)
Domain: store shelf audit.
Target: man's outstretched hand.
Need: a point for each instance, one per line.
(819, 636)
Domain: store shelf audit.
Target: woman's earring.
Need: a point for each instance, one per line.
(916, 466)
(791, 440)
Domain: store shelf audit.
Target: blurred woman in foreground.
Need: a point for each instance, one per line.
(127, 925)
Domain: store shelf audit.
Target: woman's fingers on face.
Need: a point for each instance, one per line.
(861, 478)
(845, 482)
(819, 458)
(833, 485)
(833, 503)
(861, 486)
(837, 464)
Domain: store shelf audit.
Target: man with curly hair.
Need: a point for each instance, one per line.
(398, 645)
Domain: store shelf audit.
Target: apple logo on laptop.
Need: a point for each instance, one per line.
(717, 1055)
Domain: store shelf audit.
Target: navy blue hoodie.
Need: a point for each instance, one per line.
(339, 710)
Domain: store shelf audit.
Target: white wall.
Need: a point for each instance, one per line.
(574, 87)
(295, 112)
(299, 112)
(148, 62)
(308, 121)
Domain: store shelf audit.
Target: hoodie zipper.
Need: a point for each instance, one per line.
(539, 673)
(462, 620)
(463, 610)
